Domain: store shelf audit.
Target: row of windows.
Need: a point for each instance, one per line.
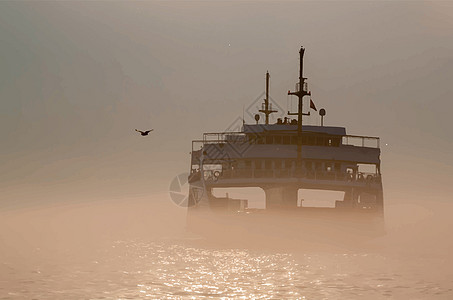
(287, 163)
(312, 140)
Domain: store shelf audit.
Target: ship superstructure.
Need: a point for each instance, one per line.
(286, 156)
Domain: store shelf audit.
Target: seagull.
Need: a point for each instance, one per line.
(144, 133)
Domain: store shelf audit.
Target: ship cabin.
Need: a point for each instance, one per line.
(266, 156)
(262, 151)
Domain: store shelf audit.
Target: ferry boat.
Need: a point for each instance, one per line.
(281, 159)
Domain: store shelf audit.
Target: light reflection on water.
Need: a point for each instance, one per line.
(180, 270)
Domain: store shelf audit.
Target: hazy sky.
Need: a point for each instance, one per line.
(76, 79)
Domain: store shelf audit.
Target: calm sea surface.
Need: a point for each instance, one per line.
(134, 250)
(131, 269)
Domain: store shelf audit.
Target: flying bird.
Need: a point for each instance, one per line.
(144, 133)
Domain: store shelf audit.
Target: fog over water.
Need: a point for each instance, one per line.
(140, 249)
(84, 204)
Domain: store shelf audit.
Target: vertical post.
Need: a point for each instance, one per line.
(300, 95)
(266, 109)
(266, 101)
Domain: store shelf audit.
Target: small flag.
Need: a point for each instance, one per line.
(312, 105)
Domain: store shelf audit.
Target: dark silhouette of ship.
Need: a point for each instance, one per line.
(282, 158)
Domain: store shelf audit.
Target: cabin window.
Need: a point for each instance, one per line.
(304, 140)
(329, 167)
(318, 165)
(277, 164)
(311, 140)
(320, 141)
(248, 164)
(308, 165)
(277, 139)
(288, 164)
(269, 139)
(294, 140)
(286, 140)
(257, 164)
(337, 167)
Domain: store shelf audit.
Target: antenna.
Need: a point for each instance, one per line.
(266, 110)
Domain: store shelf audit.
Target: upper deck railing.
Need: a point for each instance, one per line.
(223, 137)
(241, 137)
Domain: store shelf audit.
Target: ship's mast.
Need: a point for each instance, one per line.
(266, 109)
(300, 93)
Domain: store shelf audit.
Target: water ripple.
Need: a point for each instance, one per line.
(138, 269)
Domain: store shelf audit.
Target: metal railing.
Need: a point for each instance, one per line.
(222, 137)
(361, 177)
(241, 138)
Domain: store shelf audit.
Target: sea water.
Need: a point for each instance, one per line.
(80, 253)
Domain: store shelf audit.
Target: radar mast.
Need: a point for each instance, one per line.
(301, 92)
